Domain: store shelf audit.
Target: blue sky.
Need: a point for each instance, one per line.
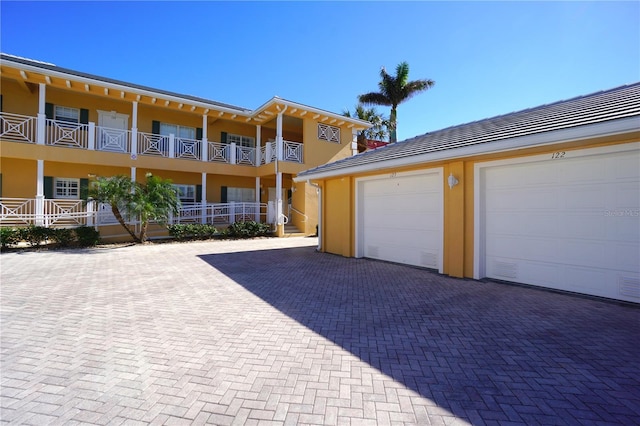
(487, 58)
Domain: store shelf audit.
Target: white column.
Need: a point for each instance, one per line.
(172, 148)
(204, 196)
(354, 141)
(133, 174)
(257, 218)
(279, 218)
(91, 142)
(205, 141)
(91, 210)
(42, 93)
(233, 153)
(39, 193)
(279, 138)
(258, 144)
(134, 131)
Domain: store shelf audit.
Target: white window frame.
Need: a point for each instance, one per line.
(328, 133)
(66, 114)
(178, 131)
(66, 188)
(183, 192)
(241, 195)
(240, 140)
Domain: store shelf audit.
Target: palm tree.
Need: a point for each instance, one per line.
(393, 91)
(379, 130)
(156, 200)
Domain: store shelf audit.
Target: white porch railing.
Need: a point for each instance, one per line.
(18, 128)
(20, 212)
(63, 133)
(22, 128)
(113, 140)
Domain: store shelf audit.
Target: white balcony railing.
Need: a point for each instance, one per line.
(18, 128)
(21, 212)
(21, 128)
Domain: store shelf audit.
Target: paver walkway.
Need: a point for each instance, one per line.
(271, 332)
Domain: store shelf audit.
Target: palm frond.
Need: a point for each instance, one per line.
(375, 98)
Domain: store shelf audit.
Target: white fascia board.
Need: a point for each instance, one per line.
(277, 100)
(610, 128)
(129, 89)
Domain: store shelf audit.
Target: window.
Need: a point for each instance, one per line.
(183, 132)
(70, 115)
(241, 195)
(187, 193)
(66, 188)
(240, 140)
(328, 133)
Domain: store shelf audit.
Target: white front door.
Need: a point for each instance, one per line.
(569, 221)
(112, 131)
(400, 218)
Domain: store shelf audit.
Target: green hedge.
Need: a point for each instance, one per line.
(34, 236)
(197, 231)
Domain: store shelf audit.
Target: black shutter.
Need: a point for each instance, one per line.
(84, 116)
(84, 189)
(199, 133)
(223, 137)
(48, 110)
(155, 127)
(0, 185)
(223, 194)
(0, 103)
(198, 193)
(48, 187)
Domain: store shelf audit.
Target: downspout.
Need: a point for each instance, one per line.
(319, 189)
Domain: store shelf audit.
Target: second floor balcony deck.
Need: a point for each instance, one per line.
(30, 129)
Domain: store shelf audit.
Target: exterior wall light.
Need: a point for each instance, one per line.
(452, 181)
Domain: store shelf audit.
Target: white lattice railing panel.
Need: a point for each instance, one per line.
(218, 152)
(62, 133)
(150, 144)
(293, 152)
(245, 155)
(328, 133)
(113, 140)
(17, 211)
(64, 212)
(188, 148)
(17, 128)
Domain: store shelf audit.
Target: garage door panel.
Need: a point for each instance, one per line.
(401, 219)
(581, 235)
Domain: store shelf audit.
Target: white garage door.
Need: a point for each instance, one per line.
(400, 219)
(570, 223)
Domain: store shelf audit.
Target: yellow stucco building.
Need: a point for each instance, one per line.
(549, 196)
(60, 127)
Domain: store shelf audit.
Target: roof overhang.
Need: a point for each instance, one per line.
(29, 73)
(609, 128)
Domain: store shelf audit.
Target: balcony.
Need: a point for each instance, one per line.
(28, 129)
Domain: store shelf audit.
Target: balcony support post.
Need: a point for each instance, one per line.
(233, 154)
(258, 145)
(205, 141)
(172, 146)
(39, 193)
(204, 198)
(40, 131)
(134, 130)
(257, 200)
(354, 141)
(91, 140)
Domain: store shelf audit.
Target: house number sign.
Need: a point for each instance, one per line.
(557, 154)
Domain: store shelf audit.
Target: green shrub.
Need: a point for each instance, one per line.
(63, 237)
(247, 229)
(9, 237)
(192, 231)
(35, 235)
(87, 236)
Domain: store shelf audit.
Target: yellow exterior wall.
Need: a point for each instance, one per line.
(18, 178)
(19, 99)
(337, 226)
(338, 209)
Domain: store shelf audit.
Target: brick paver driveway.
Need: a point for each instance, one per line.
(271, 332)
